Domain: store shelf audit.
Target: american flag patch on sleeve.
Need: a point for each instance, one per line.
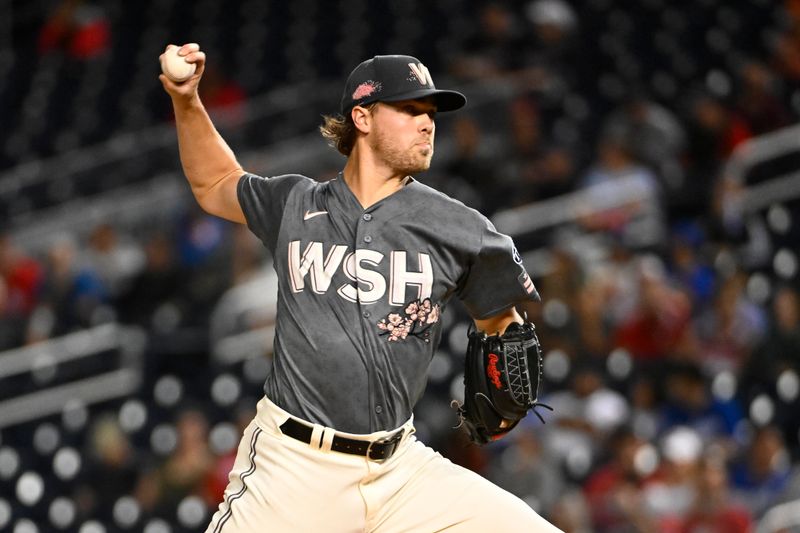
(527, 284)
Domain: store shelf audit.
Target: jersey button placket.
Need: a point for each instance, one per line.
(366, 217)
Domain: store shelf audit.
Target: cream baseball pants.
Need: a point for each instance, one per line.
(280, 484)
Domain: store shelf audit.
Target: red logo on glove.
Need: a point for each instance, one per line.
(492, 372)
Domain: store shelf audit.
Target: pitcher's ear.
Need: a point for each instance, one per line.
(362, 118)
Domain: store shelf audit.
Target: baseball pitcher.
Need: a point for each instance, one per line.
(367, 263)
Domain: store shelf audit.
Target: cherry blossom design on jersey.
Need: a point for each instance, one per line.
(416, 321)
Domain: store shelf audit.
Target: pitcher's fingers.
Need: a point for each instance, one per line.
(164, 81)
(188, 48)
(195, 57)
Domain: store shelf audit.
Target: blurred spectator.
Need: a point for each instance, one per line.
(22, 275)
(158, 283)
(763, 471)
(571, 513)
(658, 326)
(553, 24)
(780, 348)
(671, 492)
(654, 135)
(714, 510)
(645, 398)
(79, 27)
(639, 220)
(112, 469)
(614, 490)
(203, 247)
(714, 127)
(687, 264)
(785, 48)
(473, 170)
(551, 54)
(491, 52)
(116, 260)
(20, 282)
(518, 167)
(523, 469)
(727, 221)
(730, 329)
(9, 326)
(222, 95)
(593, 324)
(556, 172)
(562, 280)
(714, 130)
(688, 402)
(774, 366)
(618, 274)
(583, 416)
(71, 292)
(532, 170)
(186, 470)
(758, 100)
(533, 53)
(199, 238)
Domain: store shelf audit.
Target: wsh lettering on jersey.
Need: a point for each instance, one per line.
(361, 267)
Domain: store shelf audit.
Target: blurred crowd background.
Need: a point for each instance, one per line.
(643, 155)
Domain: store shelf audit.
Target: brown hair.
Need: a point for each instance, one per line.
(341, 131)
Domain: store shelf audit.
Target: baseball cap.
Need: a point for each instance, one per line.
(392, 78)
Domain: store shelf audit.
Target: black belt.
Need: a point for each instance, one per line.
(377, 450)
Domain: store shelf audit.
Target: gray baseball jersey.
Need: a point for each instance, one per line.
(361, 292)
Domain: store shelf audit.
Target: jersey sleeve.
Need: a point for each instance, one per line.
(262, 201)
(496, 278)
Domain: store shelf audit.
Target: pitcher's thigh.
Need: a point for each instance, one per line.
(281, 485)
(442, 496)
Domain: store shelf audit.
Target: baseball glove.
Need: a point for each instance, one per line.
(501, 381)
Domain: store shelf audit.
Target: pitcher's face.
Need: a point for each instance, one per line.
(403, 134)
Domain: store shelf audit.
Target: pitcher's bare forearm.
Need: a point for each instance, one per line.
(208, 162)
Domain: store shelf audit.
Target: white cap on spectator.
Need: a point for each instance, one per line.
(682, 445)
(606, 410)
(554, 12)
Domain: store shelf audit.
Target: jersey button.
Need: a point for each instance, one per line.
(367, 216)
(366, 314)
(367, 238)
(378, 409)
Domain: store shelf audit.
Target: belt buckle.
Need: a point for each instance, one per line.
(392, 440)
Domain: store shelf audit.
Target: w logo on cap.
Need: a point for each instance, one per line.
(393, 78)
(421, 73)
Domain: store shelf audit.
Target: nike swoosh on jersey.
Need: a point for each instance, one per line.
(312, 214)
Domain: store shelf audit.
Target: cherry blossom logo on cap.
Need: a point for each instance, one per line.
(368, 88)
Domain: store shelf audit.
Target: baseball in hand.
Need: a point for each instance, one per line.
(175, 67)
